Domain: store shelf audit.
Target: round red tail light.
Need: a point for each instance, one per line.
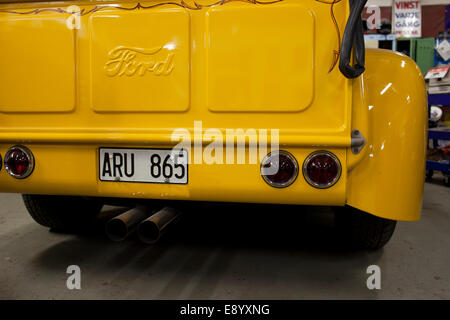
(19, 162)
(322, 169)
(279, 169)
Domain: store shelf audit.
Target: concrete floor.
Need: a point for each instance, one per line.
(235, 252)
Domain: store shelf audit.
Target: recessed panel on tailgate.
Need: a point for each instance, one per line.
(140, 60)
(37, 64)
(260, 58)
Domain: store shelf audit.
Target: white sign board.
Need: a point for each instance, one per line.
(444, 50)
(437, 73)
(407, 19)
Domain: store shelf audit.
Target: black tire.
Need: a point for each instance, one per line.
(63, 212)
(429, 174)
(361, 230)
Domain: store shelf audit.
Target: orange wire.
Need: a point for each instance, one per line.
(336, 53)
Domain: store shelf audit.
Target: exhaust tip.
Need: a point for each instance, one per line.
(116, 230)
(149, 232)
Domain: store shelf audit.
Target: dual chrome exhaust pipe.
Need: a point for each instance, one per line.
(148, 224)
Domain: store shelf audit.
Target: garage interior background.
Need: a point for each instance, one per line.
(205, 261)
(433, 14)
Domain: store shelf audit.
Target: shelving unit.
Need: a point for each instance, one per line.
(439, 99)
(435, 134)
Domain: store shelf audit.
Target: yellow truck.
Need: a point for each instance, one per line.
(255, 101)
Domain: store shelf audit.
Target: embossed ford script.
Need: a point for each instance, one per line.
(130, 61)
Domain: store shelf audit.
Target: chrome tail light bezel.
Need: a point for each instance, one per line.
(293, 177)
(30, 158)
(322, 153)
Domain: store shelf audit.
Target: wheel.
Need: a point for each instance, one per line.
(429, 174)
(62, 212)
(361, 230)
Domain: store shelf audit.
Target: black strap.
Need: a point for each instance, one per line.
(353, 38)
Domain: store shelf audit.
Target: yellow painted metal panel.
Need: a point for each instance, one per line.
(155, 136)
(124, 109)
(37, 64)
(73, 170)
(254, 53)
(139, 63)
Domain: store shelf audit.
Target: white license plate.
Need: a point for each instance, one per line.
(144, 165)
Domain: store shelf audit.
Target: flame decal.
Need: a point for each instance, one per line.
(138, 6)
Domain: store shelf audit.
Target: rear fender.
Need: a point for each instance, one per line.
(390, 108)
